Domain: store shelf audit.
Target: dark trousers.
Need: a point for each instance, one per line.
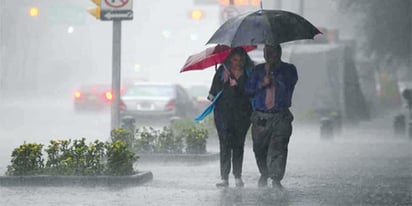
(231, 141)
(270, 134)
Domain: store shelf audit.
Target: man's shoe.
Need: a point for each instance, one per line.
(239, 182)
(223, 183)
(277, 185)
(263, 181)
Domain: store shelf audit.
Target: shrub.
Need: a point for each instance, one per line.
(26, 160)
(120, 159)
(95, 158)
(167, 142)
(182, 135)
(180, 126)
(195, 139)
(76, 159)
(67, 157)
(123, 134)
(54, 156)
(78, 163)
(146, 140)
(195, 135)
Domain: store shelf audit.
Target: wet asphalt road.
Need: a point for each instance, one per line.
(365, 165)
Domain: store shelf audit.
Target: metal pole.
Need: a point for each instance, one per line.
(116, 54)
(301, 7)
(278, 4)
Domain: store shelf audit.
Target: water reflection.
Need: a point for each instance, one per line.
(231, 196)
(253, 196)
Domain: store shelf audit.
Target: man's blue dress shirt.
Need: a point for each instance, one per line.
(284, 75)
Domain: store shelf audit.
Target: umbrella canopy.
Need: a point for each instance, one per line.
(263, 27)
(210, 56)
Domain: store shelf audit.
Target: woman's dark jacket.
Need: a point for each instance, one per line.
(233, 105)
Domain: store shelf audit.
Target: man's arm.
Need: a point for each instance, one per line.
(255, 84)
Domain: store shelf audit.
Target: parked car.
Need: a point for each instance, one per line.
(156, 101)
(92, 97)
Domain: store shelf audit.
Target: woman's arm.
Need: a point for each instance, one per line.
(217, 84)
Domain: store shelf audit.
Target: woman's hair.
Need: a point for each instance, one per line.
(247, 61)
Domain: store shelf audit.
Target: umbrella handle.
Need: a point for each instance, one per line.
(231, 75)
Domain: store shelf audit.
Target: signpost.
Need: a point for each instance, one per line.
(116, 11)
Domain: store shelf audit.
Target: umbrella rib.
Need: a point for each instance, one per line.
(268, 25)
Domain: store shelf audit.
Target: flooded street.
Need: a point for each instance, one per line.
(365, 165)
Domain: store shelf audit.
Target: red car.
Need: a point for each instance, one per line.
(93, 97)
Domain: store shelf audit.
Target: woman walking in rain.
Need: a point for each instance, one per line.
(232, 113)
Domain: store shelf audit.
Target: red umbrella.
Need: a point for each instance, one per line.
(210, 56)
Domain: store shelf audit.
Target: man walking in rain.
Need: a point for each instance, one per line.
(271, 86)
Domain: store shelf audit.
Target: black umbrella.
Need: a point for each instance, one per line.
(263, 27)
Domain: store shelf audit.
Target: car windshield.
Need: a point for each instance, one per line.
(150, 91)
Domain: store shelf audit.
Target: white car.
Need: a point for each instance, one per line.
(156, 101)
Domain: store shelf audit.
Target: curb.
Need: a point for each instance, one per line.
(48, 180)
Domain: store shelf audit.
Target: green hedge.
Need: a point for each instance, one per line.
(182, 136)
(73, 157)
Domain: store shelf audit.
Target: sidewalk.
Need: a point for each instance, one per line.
(379, 127)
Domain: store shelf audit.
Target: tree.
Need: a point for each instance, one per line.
(385, 27)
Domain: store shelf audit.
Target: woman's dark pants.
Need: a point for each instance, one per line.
(231, 140)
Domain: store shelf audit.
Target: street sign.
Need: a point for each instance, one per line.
(116, 10)
(116, 15)
(117, 5)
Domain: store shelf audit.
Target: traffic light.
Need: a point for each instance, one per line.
(34, 11)
(196, 14)
(96, 12)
